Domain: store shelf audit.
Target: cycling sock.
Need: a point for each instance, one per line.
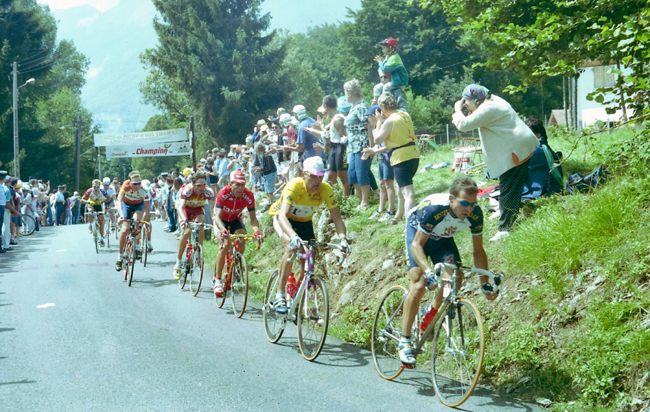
(178, 262)
(280, 295)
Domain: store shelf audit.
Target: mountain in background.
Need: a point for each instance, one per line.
(113, 41)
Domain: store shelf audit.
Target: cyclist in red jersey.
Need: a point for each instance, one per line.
(226, 219)
(191, 200)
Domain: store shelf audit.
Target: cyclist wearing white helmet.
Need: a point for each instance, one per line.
(146, 185)
(109, 202)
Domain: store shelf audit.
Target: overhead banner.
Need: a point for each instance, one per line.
(142, 138)
(149, 150)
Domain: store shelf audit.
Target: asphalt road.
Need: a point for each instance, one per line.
(74, 337)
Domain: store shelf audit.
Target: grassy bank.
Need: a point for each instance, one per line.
(572, 321)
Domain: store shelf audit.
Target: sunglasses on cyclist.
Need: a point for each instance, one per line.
(465, 203)
(136, 183)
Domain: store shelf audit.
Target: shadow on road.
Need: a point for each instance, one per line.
(17, 382)
(150, 282)
(7, 329)
(343, 355)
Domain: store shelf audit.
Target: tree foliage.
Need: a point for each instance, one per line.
(216, 54)
(48, 108)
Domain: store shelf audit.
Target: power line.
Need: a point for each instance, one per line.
(38, 68)
(34, 63)
(32, 57)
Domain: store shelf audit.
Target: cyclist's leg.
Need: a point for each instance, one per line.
(182, 242)
(201, 219)
(100, 220)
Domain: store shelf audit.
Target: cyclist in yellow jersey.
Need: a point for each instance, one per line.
(292, 215)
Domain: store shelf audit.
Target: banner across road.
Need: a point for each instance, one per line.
(149, 150)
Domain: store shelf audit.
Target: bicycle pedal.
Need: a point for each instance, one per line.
(403, 366)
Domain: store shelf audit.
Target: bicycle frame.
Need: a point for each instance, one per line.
(230, 256)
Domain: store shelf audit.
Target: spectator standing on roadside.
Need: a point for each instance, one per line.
(9, 210)
(336, 140)
(356, 129)
(3, 204)
(306, 140)
(59, 208)
(265, 166)
(508, 144)
(68, 213)
(386, 209)
(75, 206)
(397, 133)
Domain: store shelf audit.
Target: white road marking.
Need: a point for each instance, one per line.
(62, 250)
(47, 305)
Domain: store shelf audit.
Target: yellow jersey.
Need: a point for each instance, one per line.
(303, 204)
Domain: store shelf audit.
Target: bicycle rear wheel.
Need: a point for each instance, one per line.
(313, 318)
(273, 323)
(183, 279)
(458, 350)
(196, 270)
(29, 225)
(386, 333)
(239, 285)
(126, 262)
(132, 259)
(144, 234)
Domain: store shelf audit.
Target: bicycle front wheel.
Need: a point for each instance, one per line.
(386, 333)
(107, 230)
(457, 357)
(127, 264)
(313, 318)
(145, 230)
(273, 323)
(132, 259)
(183, 279)
(29, 225)
(239, 285)
(96, 235)
(196, 270)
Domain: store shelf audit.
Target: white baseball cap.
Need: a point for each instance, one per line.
(314, 165)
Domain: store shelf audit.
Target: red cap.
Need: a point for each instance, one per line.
(390, 41)
(237, 176)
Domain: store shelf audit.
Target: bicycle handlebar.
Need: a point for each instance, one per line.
(496, 278)
(245, 238)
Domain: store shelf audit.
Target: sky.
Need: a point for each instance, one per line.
(101, 5)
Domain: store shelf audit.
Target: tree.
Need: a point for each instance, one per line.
(542, 38)
(215, 52)
(428, 44)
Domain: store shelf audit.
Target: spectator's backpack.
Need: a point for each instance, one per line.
(578, 183)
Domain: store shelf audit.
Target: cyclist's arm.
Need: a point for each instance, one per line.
(216, 220)
(338, 222)
(254, 222)
(120, 199)
(180, 208)
(283, 219)
(147, 211)
(481, 261)
(417, 249)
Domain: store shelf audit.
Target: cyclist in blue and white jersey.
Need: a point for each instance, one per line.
(430, 231)
(109, 203)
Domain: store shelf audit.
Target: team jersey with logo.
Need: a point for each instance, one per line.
(133, 196)
(110, 194)
(434, 217)
(194, 200)
(303, 204)
(95, 199)
(231, 206)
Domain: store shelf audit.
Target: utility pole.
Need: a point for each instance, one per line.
(193, 143)
(77, 153)
(15, 101)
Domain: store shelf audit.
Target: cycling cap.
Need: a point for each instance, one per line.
(237, 176)
(314, 165)
(106, 180)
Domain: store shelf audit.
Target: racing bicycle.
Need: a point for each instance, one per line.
(458, 336)
(308, 308)
(128, 264)
(236, 279)
(144, 230)
(95, 228)
(193, 266)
